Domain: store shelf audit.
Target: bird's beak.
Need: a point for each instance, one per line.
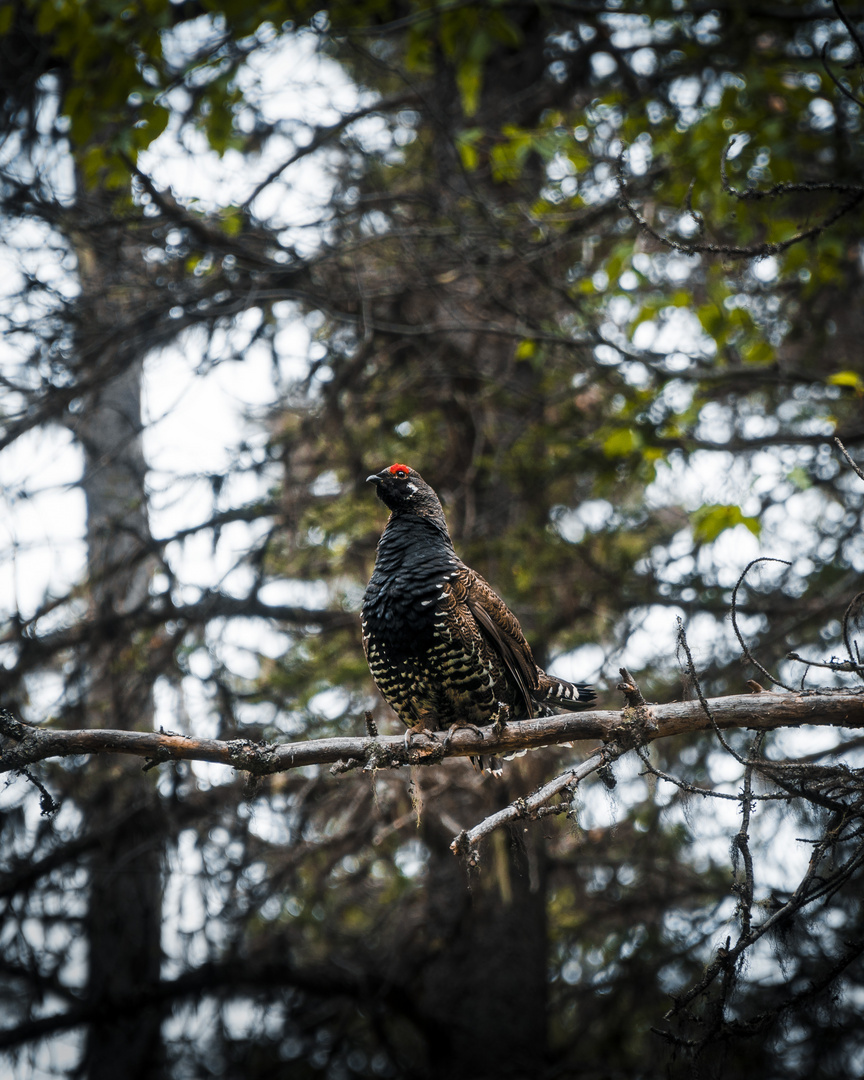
(374, 479)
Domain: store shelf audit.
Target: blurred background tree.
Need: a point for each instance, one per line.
(595, 270)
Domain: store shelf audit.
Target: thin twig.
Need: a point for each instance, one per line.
(741, 843)
(691, 669)
(48, 805)
(466, 842)
(738, 634)
(850, 27)
(709, 793)
(832, 665)
(322, 135)
(846, 454)
(852, 612)
(753, 251)
(844, 90)
(812, 887)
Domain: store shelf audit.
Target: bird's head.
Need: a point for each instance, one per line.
(405, 491)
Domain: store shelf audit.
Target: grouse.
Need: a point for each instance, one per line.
(443, 648)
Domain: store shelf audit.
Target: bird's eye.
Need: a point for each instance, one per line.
(399, 471)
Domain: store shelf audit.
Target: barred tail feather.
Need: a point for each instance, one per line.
(565, 695)
(491, 765)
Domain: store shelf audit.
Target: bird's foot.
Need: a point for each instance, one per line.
(460, 724)
(420, 730)
(499, 720)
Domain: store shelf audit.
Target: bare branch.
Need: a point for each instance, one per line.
(844, 90)
(210, 606)
(27, 743)
(703, 701)
(854, 194)
(848, 457)
(778, 438)
(812, 887)
(321, 135)
(629, 688)
(850, 27)
(706, 792)
(851, 613)
(738, 634)
(741, 843)
(530, 806)
(832, 665)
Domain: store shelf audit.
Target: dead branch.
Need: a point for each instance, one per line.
(22, 745)
(531, 805)
(812, 887)
(844, 90)
(831, 665)
(703, 701)
(852, 615)
(26, 744)
(630, 689)
(738, 633)
(859, 44)
(321, 136)
(851, 194)
(849, 458)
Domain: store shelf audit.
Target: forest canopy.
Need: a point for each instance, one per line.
(596, 270)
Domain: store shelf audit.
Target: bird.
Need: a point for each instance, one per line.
(443, 648)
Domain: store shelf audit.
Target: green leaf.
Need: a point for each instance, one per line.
(156, 120)
(759, 353)
(232, 220)
(709, 521)
(93, 162)
(847, 378)
(503, 30)
(622, 442)
(469, 79)
(800, 478)
(508, 157)
(47, 18)
(645, 313)
(712, 320)
(466, 146)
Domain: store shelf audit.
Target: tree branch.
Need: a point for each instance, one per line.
(27, 744)
(849, 458)
(322, 134)
(853, 194)
(466, 842)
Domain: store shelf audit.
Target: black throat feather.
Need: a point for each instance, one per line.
(415, 557)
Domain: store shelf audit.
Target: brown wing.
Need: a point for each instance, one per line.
(502, 629)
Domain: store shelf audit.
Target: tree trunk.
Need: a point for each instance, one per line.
(483, 985)
(123, 921)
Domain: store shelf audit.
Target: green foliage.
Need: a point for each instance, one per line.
(710, 521)
(621, 442)
(567, 360)
(508, 156)
(852, 379)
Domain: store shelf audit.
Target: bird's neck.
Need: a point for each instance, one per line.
(414, 538)
(405, 526)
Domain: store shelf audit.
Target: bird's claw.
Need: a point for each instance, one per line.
(411, 731)
(456, 727)
(500, 719)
